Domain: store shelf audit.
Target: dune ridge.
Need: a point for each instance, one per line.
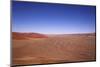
(26, 36)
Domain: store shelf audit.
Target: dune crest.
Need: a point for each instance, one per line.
(26, 36)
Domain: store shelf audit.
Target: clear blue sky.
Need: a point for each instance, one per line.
(52, 18)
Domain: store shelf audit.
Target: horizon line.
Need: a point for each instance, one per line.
(55, 33)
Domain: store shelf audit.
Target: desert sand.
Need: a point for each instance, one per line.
(46, 49)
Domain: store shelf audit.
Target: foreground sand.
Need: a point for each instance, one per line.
(54, 50)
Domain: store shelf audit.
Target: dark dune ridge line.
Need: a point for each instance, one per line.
(26, 36)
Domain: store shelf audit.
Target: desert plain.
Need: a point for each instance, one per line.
(35, 48)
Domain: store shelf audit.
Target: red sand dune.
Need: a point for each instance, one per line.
(26, 36)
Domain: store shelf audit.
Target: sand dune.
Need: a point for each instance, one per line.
(26, 36)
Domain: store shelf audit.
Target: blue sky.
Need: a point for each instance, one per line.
(52, 18)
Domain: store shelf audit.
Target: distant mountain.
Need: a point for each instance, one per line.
(26, 36)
